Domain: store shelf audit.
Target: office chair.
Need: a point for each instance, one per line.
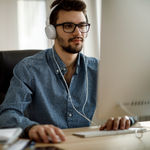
(8, 59)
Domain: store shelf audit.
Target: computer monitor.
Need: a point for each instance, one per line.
(124, 69)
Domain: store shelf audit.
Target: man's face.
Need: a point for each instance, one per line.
(70, 42)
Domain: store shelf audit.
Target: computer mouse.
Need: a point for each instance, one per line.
(58, 139)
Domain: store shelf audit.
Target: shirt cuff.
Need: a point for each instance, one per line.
(133, 120)
(25, 133)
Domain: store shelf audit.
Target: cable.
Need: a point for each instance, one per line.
(68, 91)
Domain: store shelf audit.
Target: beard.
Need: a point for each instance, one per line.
(70, 49)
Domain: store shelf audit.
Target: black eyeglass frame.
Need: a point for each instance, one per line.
(75, 25)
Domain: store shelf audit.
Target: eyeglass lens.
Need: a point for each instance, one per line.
(70, 27)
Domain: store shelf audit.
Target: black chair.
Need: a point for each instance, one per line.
(8, 59)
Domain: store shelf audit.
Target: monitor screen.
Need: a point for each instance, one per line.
(124, 69)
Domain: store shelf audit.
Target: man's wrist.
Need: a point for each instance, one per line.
(26, 131)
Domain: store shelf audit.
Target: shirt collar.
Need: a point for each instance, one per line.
(62, 66)
(61, 63)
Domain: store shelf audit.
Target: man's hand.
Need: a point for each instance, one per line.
(41, 133)
(117, 123)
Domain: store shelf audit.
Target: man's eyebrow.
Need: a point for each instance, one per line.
(82, 22)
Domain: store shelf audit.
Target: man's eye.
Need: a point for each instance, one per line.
(82, 25)
(68, 26)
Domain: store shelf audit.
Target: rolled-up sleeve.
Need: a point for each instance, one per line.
(18, 98)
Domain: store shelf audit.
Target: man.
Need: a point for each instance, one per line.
(56, 88)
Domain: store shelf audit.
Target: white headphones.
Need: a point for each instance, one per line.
(50, 29)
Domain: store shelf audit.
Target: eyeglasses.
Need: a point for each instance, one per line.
(70, 27)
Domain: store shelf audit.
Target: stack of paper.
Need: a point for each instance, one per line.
(9, 135)
(20, 144)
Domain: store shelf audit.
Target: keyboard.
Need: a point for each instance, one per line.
(97, 133)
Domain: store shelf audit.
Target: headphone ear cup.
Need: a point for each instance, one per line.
(50, 31)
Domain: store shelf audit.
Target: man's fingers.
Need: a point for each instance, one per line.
(116, 123)
(124, 123)
(33, 135)
(60, 133)
(103, 127)
(42, 133)
(46, 133)
(109, 123)
(128, 124)
(52, 134)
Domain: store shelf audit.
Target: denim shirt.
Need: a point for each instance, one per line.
(38, 94)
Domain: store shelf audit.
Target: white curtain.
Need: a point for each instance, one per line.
(31, 24)
(22, 24)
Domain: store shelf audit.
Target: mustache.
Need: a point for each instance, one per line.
(75, 38)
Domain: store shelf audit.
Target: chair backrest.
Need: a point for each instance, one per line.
(8, 59)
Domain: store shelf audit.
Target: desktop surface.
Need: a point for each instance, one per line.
(123, 142)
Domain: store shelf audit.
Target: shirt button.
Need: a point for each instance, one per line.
(57, 71)
(70, 115)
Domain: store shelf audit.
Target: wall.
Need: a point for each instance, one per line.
(8, 24)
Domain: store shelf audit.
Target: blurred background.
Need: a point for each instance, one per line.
(22, 25)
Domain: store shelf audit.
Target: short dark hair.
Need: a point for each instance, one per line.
(67, 5)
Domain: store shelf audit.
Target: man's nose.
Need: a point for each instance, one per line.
(76, 31)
